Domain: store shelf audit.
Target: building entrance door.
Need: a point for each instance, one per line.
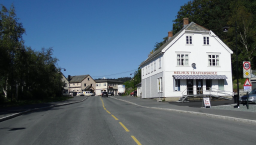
(199, 86)
(189, 87)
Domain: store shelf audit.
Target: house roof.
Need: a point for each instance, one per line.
(190, 27)
(78, 79)
(108, 81)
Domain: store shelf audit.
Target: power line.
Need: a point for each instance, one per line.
(114, 74)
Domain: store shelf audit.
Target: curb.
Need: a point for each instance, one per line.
(35, 109)
(197, 113)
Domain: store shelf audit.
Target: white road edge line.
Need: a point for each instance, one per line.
(196, 113)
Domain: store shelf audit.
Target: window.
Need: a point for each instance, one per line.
(221, 84)
(154, 65)
(206, 40)
(213, 60)
(88, 79)
(159, 84)
(104, 84)
(85, 84)
(208, 84)
(182, 59)
(97, 84)
(176, 85)
(188, 39)
(91, 85)
(159, 62)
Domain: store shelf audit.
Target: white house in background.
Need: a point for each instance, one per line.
(193, 61)
(107, 85)
(65, 84)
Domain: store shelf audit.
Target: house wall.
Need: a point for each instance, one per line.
(198, 53)
(88, 82)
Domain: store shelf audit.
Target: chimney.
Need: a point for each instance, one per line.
(185, 22)
(170, 35)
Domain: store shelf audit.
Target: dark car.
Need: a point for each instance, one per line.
(251, 97)
(104, 94)
(110, 93)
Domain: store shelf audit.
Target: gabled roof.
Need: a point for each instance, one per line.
(190, 27)
(78, 79)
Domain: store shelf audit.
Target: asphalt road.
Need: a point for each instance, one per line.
(107, 121)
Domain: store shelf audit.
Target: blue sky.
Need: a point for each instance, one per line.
(96, 37)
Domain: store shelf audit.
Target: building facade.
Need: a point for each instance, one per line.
(82, 83)
(193, 61)
(107, 85)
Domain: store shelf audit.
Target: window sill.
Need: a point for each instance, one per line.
(206, 45)
(189, 44)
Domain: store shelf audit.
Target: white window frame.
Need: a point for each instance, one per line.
(189, 40)
(151, 67)
(179, 59)
(160, 63)
(211, 60)
(154, 65)
(159, 85)
(206, 40)
(176, 82)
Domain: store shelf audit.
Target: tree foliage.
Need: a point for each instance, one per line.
(24, 73)
(214, 15)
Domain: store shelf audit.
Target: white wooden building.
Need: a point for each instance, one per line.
(193, 61)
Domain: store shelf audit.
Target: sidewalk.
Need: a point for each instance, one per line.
(220, 111)
(10, 111)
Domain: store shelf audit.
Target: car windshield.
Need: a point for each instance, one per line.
(253, 91)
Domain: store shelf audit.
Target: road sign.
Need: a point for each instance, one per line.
(247, 83)
(246, 69)
(207, 102)
(246, 65)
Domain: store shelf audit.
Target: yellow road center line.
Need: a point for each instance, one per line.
(114, 117)
(134, 138)
(108, 112)
(124, 127)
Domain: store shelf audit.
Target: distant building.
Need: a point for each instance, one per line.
(65, 84)
(82, 83)
(107, 85)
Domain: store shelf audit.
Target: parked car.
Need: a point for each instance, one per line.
(133, 94)
(104, 94)
(110, 93)
(251, 97)
(80, 94)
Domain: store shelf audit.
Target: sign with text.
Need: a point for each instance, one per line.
(194, 73)
(247, 69)
(207, 103)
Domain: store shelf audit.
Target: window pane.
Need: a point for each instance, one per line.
(209, 62)
(217, 61)
(207, 40)
(213, 56)
(209, 56)
(190, 39)
(186, 61)
(186, 55)
(213, 62)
